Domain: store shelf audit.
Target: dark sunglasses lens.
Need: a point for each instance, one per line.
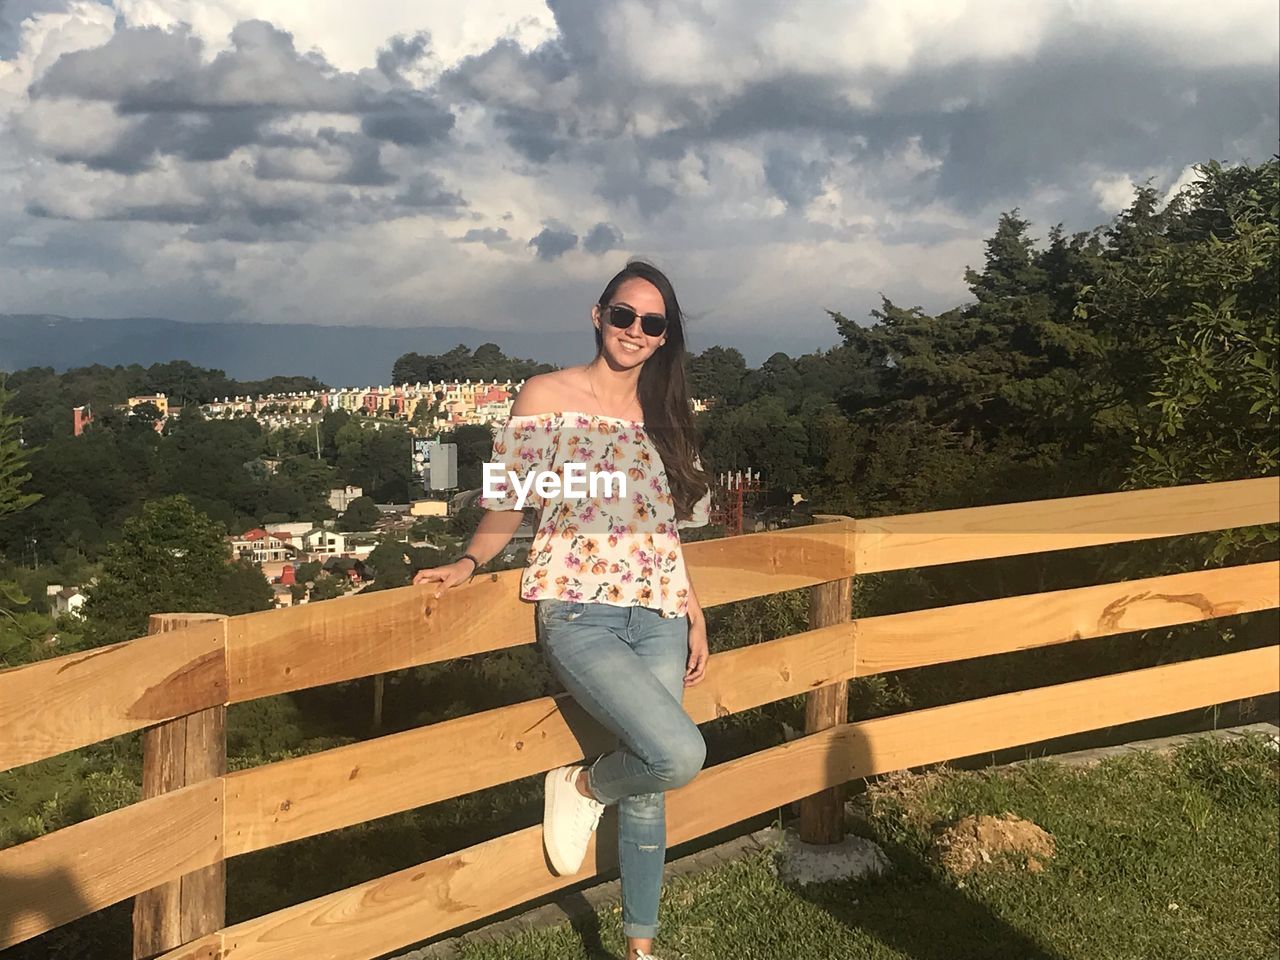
(653, 325)
(621, 317)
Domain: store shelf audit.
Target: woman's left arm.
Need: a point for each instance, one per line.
(698, 652)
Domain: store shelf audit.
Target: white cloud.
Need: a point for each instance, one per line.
(781, 159)
(349, 34)
(1114, 193)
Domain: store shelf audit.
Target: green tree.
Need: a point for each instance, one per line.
(463, 523)
(13, 476)
(716, 372)
(475, 446)
(759, 435)
(361, 514)
(170, 558)
(1211, 291)
(326, 587)
(1203, 298)
(392, 562)
(13, 458)
(244, 589)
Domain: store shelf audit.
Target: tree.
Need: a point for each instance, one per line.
(13, 458)
(13, 475)
(487, 362)
(171, 558)
(308, 570)
(326, 587)
(759, 435)
(425, 412)
(716, 372)
(463, 523)
(146, 414)
(362, 513)
(244, 589)
(391, 561)
(475, 446)
(1206, 300)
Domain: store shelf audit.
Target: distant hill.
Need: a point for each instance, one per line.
(337, 355)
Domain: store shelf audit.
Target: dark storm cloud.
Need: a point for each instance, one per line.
(359, 161)
(151, 212)
(971, 134)
(602, 238)
(501, 77)
(401, 52)
(149, 70)
(1000, 127)
(1101, 108)
(428, 190)
(795, 181)
(534, 133)
(489, 236)
(408, 119)
(554, 241)
(205, 111)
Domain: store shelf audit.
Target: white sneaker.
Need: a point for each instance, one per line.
(568, 820)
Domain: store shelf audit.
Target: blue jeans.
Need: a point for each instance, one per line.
(625, 666)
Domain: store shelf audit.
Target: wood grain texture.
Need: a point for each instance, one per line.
(952, 536)
(56, 705)
(822, 815)
(303, 796)
(918, 638)
(313, 644)
(176, 753)
(62, 876)
(431, 898)
(85, 698)
(279, 802)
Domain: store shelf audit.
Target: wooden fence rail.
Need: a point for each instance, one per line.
(143, 850)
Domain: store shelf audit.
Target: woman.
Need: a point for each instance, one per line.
(617, 618)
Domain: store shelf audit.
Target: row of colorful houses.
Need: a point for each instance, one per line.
(456, 403)
(480, 401)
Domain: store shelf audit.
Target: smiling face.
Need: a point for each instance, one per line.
(628, 348)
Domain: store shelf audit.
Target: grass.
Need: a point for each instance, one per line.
(1158, 856)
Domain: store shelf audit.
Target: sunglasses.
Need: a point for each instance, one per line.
(622, 317)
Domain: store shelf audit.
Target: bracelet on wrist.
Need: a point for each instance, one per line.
(475, 564)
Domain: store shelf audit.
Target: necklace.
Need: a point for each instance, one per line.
(595, 396)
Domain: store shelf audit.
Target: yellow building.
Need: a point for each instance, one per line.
(429, 508)
(159, 399)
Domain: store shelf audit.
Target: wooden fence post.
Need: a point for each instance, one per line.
(176, 753)
(822, 815)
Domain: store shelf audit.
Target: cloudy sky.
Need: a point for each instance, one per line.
(492, 163)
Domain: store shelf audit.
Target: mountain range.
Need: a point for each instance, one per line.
(337, 355)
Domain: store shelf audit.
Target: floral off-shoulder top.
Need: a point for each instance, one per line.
(601, 547)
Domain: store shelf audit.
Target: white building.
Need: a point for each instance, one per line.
(321, 541)
(340, 497)
(69, 600)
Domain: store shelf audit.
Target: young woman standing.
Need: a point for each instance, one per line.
(617, 618)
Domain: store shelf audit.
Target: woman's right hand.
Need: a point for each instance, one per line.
(450, 575)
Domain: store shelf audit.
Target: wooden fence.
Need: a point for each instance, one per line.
(169, 850)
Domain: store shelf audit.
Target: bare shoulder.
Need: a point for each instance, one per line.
(548, 393)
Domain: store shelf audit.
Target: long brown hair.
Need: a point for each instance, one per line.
(664, 393)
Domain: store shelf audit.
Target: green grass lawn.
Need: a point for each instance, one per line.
(1158, 857)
